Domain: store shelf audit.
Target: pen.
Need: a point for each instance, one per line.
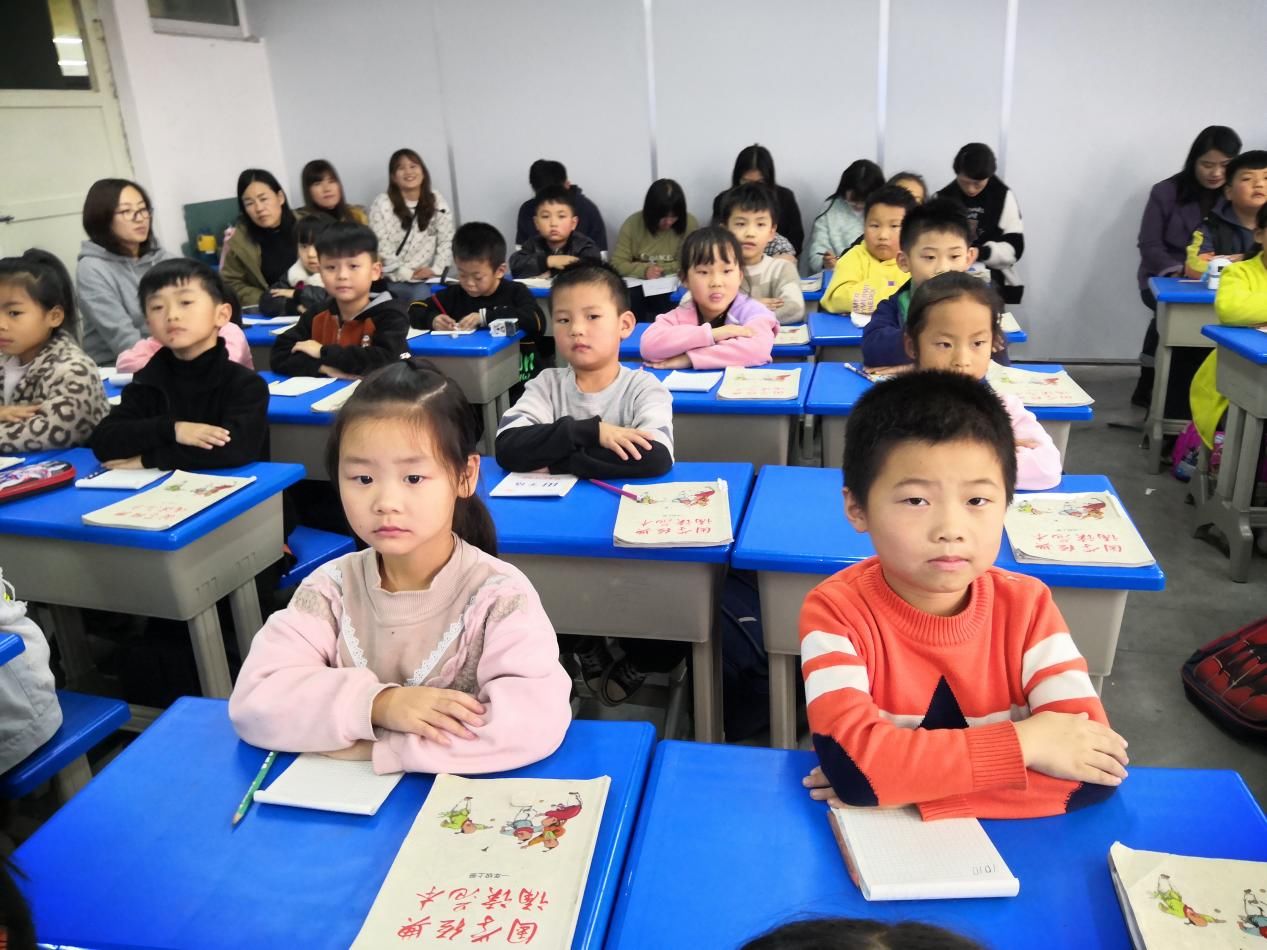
(255, 787)
(613, 488)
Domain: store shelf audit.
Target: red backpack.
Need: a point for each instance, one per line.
(1227, 679)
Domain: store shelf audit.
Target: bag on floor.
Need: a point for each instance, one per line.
(1227, 680)
(745, 667)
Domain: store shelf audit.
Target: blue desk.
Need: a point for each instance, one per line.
(630, 347)
(135, 860)
(484, 366)
(51, 556)
(564, 546)
(838, 340)
(298, 434)
(836, 390)
(11, 645)
(260, 338)
(790, 562)
(728, 845)
(1241, 376)
(1183, 308)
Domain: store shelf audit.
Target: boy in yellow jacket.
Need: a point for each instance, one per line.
(868, 272)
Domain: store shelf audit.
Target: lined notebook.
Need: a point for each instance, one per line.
(894, 855)
(688, 381)
(334, 402)
(318, 781)
(297, 385)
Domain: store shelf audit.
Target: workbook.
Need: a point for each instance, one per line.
(1074, 528)
(691, 381)
(298, 385)
(894, 855)
(334, 402)
(497, 861)
(325, 784)
(1171, 900)
(1037, 388)
(792, 336)
(128, 479)
(740, 383)
(674, 515)
(810, 284)
(533, 485)
(164, 506)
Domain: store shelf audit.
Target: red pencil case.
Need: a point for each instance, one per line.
(36, 477)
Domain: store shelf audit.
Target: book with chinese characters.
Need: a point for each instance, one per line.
(739, 383)
(674, 515)
(334, 402)
(1171, 900)
(1037, 388)
(533, 485)
(691, 381)
(317, 781)
(164, 506)
(1074, 528)
(792, 336)
(298, 385)
(894, 855)
(502, 861)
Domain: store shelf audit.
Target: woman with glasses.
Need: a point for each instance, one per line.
(119, 251)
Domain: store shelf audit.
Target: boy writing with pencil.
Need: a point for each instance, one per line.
(931, 677)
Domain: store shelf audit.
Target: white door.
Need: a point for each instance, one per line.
(55, 142)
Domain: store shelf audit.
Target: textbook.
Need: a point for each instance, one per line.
(1037, 388)
(691, 381)
(533, 485)
(674, 515)
(164, 506)
(1073, 528)
(894, 855)
(739, 383)
(297, 385)
(128, 479)
(498, 861)
(317, 781)
(1171, 900)
(792, 336)
(334, 402)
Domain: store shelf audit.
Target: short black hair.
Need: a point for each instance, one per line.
(554, 194)
(940, 216)
(1255, 158)
(976, 161)
(706, 245)
(477, 241)
(309, 228)
(927, 406)
(895, 196)
(545, 172)
(751, 197)
(181, 270)
(843, 933)
(664, 199)
(347, 240)
(909, 176)
(592, 272)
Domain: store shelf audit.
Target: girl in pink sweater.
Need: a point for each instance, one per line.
(953, 324)
(423, 653)
(720, 326)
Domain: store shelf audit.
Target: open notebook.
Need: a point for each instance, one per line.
(318, 781)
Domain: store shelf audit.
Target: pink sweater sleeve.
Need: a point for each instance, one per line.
(1037, 467)
(235, 339)
(741, 350)
(134, 358)
(673, 334)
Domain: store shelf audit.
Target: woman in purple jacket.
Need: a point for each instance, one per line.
(1175, 209)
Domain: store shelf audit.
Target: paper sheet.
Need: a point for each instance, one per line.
(129, 479)
(297, 385)
(334, 402)
(680, 381)
(267, 321)
(282, 329)
(325, 784)
(415, 332)
(533, 485)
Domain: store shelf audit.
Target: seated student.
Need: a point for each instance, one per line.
(423, 652)
(479, 251)
(547, 173)
(301, 289)
(557, 242)
(993, 214)
(754, 165)
(953, 324)
(839, 225)
(649, 240)
(751, 213)
(52, 393)
(360, 330)
(844, 933)
(323, 196)
(912, 182)
(868, 272)
(136, 356)
(930, 634)
(719, 326)
(190, 406)
(414, 227)
(1228, 230)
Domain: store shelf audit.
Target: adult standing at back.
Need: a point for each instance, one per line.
(1176, 207)
(262, 247)
(755, 165)
(119, 251)
(414, 227)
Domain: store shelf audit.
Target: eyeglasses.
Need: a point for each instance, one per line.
(139, 214)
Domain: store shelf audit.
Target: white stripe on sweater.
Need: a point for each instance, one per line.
(1058, 648)
(1071, 684)
(819, 643)
(832, 678)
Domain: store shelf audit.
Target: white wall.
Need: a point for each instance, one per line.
(196, 111)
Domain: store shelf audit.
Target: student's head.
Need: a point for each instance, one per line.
(555, 215)
(1205, 168)
(185, 305)
(857, 181)
(842, 933)
(753, 165)
(589, 306)
(751, 213)
(118, 216)
(935, 239)
(547, 173)
(974, 167)
(306, 232)
(913, 182)
(711, 265)
(403, 457)
(37, 300)
(930, 465)
(882, 220)
(262, 202)
(479, 254)
(407, 173)
(664, 208)
(1246, 186)
(348, 254)
(953, 323)
(323, 189)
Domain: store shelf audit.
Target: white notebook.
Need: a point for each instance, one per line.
(894, 855)
(334, 402)
(541, 283)
(533, 485)
(282, 329)
(267, 321)
(680, 381)
(1008, 324)
(797, 335)
(415, 332)
(8, 461)
(297, 385)
(128, 479)
(452, 332)
(318, 781)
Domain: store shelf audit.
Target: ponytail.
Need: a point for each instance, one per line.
(474, 525)
(46, 280)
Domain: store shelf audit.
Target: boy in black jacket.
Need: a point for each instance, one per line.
(190, 406)
(557, 242)
(360, 330)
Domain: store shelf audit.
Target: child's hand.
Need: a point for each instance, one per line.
(423, 711)
(771, 303)
(18, 413)
(673, 362)
(654, 271)
(560, 261)
(444, 322)
(470, 322)
(820, 789)
(333, 373)
(1072, 746)
(362, 750)
(287, 293)
(729, 331)
(308, 348)
(624, 442)
(829, 260)
(423, 273)
(133, 462)
(200, 435)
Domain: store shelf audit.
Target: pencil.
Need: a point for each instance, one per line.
(255, 787)
(613, 488)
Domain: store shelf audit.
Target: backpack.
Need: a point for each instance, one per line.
(1227, 680)
(745, 668)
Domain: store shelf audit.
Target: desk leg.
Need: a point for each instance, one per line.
(489, 409)
(706, 676)
(213, 666)
(245, 604)
(1233, 435)
(782, 700)
(1240, 540)
(1161, 381)
(68, 631)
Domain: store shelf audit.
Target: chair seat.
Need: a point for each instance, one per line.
(86, 721)
(312, 548)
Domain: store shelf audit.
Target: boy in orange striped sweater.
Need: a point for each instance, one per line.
(933, 678)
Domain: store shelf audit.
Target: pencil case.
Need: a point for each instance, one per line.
(33, 478)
